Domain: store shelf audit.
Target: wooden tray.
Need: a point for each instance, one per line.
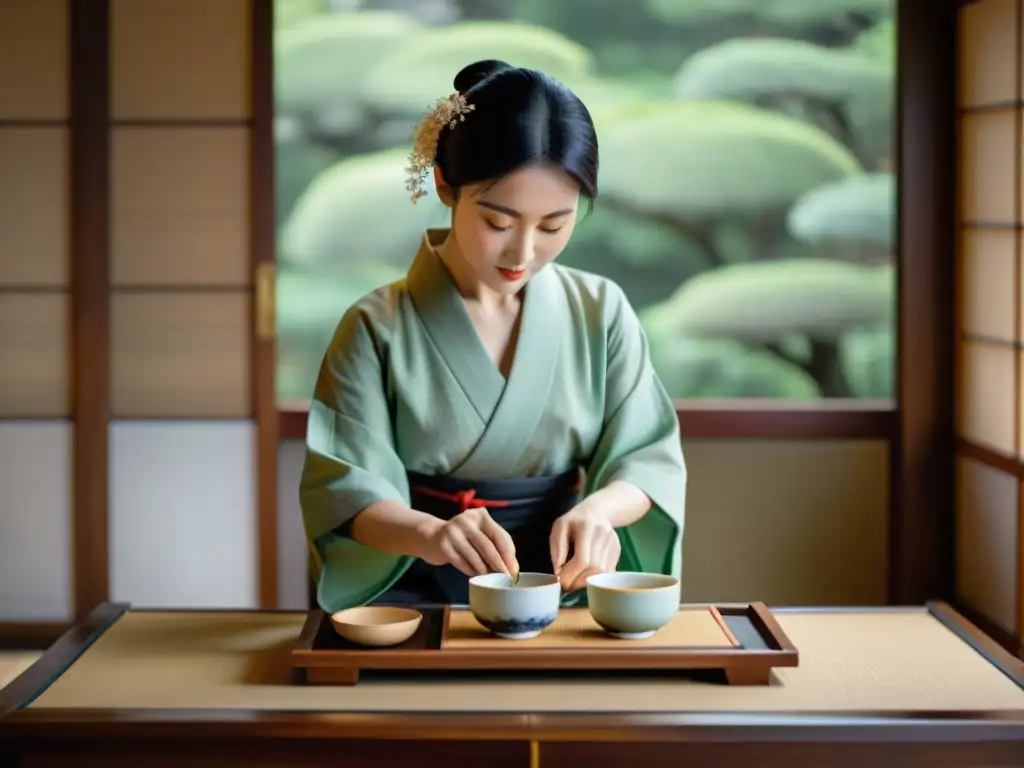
(742, 641)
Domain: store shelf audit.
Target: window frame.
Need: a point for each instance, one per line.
(740, 418)
(918, 424)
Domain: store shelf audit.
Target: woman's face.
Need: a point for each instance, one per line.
(507, 232)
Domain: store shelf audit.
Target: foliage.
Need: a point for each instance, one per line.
(410, 76)
(786, 13)
(846, 92)
(764, 301)
(726, 368)
(289, 12)
(879, 41)
(701, 161)
(296, 164)
(648, 259)
(319, 63)
(746, 202)
(802, 13)
(345, 217)
(867, 361)
(750, 69)
(858, 210)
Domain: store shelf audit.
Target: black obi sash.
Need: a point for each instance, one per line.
(525, 507)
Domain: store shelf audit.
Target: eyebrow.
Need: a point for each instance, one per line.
(517, 215)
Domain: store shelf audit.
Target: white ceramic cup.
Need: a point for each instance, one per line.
(519, 612)
(632, 605)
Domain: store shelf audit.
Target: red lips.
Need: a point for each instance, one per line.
(510, 275)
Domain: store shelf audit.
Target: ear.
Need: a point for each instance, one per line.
(444, 192)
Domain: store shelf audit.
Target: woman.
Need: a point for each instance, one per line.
(493, 411)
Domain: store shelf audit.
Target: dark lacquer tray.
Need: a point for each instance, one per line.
(744, 642)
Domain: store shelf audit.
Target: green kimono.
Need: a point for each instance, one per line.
(406, 385)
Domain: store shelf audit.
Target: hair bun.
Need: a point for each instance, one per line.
(478, 72)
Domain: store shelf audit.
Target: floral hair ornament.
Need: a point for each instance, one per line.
(449, 111)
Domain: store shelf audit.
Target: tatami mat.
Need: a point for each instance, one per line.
(848, 661)
(13, 663)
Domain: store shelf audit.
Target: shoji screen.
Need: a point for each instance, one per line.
(990, 319)
(182, 488)
(35, 387)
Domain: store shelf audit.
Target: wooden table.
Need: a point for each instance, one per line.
(875, 686)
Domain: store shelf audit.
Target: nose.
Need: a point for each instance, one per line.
(522, 250)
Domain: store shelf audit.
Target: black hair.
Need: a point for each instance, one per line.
(520, 117)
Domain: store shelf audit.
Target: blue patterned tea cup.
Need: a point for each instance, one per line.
(516, 612)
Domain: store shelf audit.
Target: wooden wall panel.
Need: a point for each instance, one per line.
(34, 271)
(36, 460)
(987, 267)
(987, 536)
(34, 211)
(990, 416)
(988, 177)
(34, 376)
(181, 356)
(180, 59)
(180, 208)
(180, 273)
(987, 69)
(182, 309)
(988, 394)
(34, 60)
(808, 525)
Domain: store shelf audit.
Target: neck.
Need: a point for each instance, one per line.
(468, 282)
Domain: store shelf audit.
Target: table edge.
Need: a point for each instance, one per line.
(762, 727)
(56, 659)
(19, 723)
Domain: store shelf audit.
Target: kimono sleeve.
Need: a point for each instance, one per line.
(640, 444)
(350, 459)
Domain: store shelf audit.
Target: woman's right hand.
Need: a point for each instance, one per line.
(472, 542)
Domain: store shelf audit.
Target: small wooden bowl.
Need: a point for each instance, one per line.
(377, 625)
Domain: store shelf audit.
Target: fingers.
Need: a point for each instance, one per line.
(605, 559)
(581, 580)
(486, 550)
(453, 556)
(610, 553)
(576, 572)
(466, 549)
(559, 543)
(594, 553)
(503, 543)
(476, 544)
(583, 555)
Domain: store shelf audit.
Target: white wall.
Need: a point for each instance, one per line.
(35, 521)
(182, 514)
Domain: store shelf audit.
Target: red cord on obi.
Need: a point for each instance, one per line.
(465, 499)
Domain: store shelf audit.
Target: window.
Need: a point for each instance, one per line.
(747, 204)
(989, 467)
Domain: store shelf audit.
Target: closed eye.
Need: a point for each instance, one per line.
(546, 230)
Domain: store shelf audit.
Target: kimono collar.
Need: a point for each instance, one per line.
(446, 320)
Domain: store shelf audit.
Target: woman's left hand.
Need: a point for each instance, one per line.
(595, 544)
